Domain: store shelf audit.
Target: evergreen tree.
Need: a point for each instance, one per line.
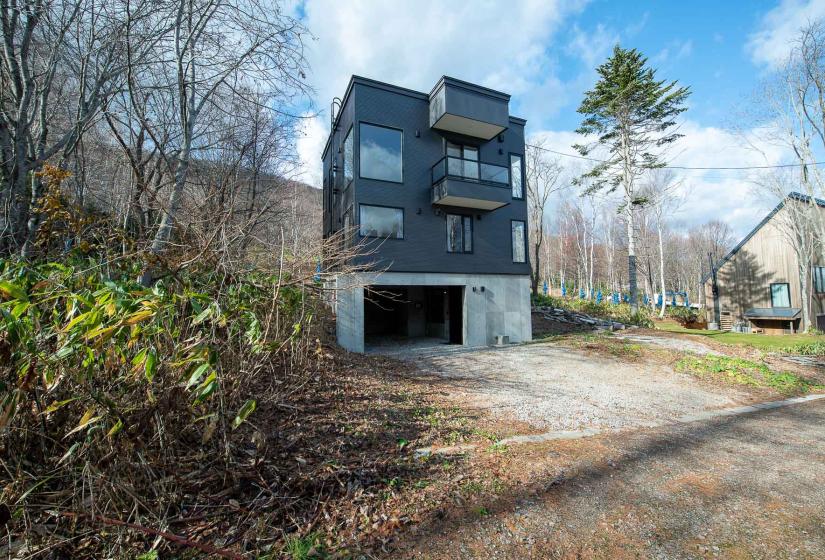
(631, 113)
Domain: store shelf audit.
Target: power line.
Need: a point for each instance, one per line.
(684, 167)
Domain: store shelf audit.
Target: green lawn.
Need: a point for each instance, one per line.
(759, 341)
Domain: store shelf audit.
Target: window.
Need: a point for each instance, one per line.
(780, 295)
(348, 158)
(462, 161)
(519, 244)
(819, 279)
(381, 221)
(380, 153)
(516, 176)
(459, 234)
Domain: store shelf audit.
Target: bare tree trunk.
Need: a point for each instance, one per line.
(661, 269)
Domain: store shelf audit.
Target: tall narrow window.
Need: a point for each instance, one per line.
(459, 233)
(819, 279)
(780, 295)
(519, 244)
(381, 221)
(516, 176)
(348, 157)
(379, 153)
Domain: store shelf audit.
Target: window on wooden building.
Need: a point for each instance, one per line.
(780, 295)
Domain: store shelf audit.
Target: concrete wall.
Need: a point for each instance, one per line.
(503, 308)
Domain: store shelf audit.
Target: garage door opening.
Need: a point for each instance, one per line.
(419, 315)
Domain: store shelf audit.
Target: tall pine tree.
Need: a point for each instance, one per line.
(631, 114)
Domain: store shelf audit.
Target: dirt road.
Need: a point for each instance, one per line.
(748, 486)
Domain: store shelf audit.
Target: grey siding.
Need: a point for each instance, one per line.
(424, 247)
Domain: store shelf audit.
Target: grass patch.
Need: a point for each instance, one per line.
(602, 343)
(809, 344)
(738, 371)
(303, 548)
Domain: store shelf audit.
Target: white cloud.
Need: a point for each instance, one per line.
(593, 46)
(708, 194)
(412, 43)
(772, 42)
(676, 50)
(313, 136)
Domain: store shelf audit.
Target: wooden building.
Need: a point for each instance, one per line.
(756, 287)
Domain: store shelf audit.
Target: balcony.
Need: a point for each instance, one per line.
(468, 109)
(469, 183)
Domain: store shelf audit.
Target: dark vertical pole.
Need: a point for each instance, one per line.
(715, 290)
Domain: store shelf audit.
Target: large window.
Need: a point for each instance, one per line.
(819, 279)
(459, 233)
(381, 221)
(780, 295)
(462, 161)
(519, 242)
(380, 153)
(348, 157)
(516, 176)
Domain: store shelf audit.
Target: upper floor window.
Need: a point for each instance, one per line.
(780, 295)
(348, 157)
(519, 241)
(462, 161)
(379, 154)
(516, 176)
(459, 233)
(819, 279)
(381, 221)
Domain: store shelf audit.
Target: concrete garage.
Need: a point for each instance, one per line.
(399, 314)
(468, 309)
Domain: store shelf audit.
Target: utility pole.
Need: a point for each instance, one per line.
(715, 290)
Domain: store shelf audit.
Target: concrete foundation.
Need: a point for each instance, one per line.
(494, 304)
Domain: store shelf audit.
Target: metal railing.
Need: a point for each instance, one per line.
(470, 170)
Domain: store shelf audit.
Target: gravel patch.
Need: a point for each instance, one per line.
(680, 344)
(746, 486)
(554, 388)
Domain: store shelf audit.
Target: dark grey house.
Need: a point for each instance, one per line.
(432, 185)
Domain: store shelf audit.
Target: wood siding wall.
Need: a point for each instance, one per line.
(766, 258)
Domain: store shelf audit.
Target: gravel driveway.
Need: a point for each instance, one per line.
(554, 388)
(735, 487)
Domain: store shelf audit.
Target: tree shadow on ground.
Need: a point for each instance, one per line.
(759, 457)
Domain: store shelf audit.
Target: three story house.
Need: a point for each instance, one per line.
(432, 187)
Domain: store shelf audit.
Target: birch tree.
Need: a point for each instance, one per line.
(631, 114)
(661, 192)
(544, 177)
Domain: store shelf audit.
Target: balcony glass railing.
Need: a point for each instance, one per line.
(470, 170)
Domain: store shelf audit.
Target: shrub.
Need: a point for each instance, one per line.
(816, 348)
(125, 391)
(683, 315)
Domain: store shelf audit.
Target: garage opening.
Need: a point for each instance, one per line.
(419, 315)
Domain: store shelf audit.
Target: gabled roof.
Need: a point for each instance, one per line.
(793, 195)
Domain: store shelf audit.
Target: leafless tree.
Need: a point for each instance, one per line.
(62, 60)
(544, 177)
(218, 51)
(663, 200)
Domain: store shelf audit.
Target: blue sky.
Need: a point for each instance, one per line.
(544, 53)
